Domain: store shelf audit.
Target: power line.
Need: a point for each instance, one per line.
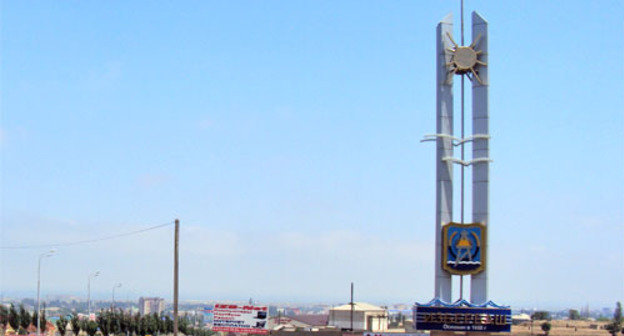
(87, 241)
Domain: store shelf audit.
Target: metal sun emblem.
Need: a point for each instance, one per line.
(465, 59)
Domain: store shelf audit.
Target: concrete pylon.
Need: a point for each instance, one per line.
(444, 148)
(480, 150)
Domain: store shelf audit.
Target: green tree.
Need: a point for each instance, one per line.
(43, 320)
(168, 325)
(148, 324)
(126, 325)
(117, 322)
(574, 314)
(61, 325)
(546, 326)
(162, 325)
(14, 318)
(33, 318)
(142, 326)
(91, 328)
(4, 315)
(104, 322)
(24, 318)
(154, 324)
(541, 315)
(183, 325)
(76, 324)
(615, 327)
(136, 324)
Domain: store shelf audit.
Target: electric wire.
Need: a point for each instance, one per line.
(86, 241)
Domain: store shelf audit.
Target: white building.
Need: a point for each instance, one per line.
(365, 317)
(149, 305)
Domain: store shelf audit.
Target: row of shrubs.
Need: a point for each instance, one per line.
(107, 323)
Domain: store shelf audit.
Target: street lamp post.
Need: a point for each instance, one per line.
(117, 285)
(41, 256)
(92, 275)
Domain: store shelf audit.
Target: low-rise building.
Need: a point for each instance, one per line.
(308, 322)
(366, 317)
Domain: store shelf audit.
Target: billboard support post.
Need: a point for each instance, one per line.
(176, 259)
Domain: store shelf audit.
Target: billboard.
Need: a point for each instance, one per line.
(208, 316)
(463, 250)
(240, 318)
(467, 319)
(393, 334)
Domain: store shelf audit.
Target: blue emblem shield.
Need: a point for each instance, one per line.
(464, 248)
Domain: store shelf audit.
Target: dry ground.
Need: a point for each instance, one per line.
(562, 328)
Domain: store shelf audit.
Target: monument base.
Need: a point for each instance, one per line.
(442, 333)
(462, 318)
(455, 333)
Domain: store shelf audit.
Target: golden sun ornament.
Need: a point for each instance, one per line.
(464, 60)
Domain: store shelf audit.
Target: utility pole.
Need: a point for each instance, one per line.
(47, 254)
(352, 306)
(175, 276)
(92, 275)
(113, 304)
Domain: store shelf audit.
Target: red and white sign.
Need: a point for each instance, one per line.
(240, 318)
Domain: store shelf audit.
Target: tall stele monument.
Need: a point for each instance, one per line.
(461, 248)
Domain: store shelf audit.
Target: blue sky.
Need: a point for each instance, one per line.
(285, 136)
